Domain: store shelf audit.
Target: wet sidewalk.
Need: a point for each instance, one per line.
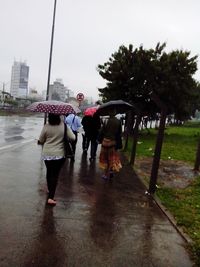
(95, 223)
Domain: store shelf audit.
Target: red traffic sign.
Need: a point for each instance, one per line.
(80, 96)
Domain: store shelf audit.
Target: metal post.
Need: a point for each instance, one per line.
(50, 54)
(3, 94)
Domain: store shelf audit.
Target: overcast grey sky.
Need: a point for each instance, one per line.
(87, 32)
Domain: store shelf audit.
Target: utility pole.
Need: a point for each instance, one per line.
(50, 54)
(3, 94)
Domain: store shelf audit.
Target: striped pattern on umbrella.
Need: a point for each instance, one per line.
(51, 106)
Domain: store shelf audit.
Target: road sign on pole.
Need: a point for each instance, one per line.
(80, 97)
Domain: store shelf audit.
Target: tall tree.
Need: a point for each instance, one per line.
(118, 72)
(134, 75)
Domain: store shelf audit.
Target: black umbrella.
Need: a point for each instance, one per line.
(119, 106)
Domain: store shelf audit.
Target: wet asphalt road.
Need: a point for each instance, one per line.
(94, 223)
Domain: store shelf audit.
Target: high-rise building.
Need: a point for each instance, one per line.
(19, 79)
(57, 90)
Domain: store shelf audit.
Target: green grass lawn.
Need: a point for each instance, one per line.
(180, 143)
(184, 204)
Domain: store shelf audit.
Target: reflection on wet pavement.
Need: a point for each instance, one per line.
(53, 252)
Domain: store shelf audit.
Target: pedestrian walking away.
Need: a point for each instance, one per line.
(91, 126)
(74, 122)
(109, 159)
(53, 154)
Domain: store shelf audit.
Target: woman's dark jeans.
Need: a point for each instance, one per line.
(53, 170)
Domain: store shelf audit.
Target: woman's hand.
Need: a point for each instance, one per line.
(39, 143)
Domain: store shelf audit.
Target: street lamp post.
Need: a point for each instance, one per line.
(50, 54)
(3, 94)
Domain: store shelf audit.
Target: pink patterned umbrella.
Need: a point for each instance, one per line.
(90, 111)
(52, 106)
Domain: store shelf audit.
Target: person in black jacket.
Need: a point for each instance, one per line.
(91, 126)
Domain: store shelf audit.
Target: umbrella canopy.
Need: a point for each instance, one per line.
(119, 106)
(90, 111)
(52, 106)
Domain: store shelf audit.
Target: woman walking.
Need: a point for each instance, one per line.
(53, 154)
(109, 159)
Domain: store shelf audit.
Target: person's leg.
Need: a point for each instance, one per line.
(84, 142)
(74, 144)
(93, 149)
(110, 158)
(106, 170)
(53, 170)
(106, 174)
(114, 162)
(87, 143)
(48, 172)
(50, 176)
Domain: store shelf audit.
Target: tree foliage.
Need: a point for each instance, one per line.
(133, 74)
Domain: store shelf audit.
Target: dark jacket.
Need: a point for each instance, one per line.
(112, 128)
(91, 126)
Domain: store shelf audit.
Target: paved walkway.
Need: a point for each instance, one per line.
(95, 223)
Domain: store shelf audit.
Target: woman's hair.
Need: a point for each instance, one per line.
(54, 119)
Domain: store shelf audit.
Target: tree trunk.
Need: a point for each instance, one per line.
(157, 153)
(197, 161)
(126, 142)
(129, 128)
